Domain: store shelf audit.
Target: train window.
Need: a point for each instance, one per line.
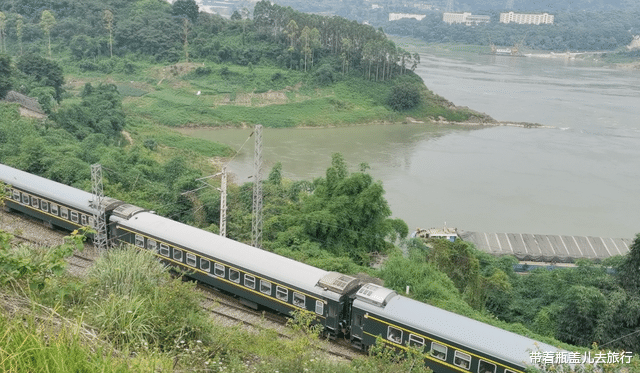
(438, 351)
(319, 307)
(191, 260)
(92, 223)
(508, 371)
(282, 293)
(74, 216)
(83, 218)
(462, 360)
(139, 241)
(164, 249)
(415, 341)
(234, 275)
(298, 300)
(265, 287)
(485, 367)
(394, 334)
(54, 209)
(152, 244)
(250, 281)
(205, 265)
(35, 202)
(177, 254)
(64, 213)
(16, 195)
(218, 270)
(25, 199)
(44, 206)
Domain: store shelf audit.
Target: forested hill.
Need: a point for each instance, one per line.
(92, 29)
(368, 75)
(596, 25)
(349, 8)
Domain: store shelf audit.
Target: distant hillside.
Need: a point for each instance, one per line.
(353, 8)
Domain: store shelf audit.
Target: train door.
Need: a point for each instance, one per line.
(357, 326)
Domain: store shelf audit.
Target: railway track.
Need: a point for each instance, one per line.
(229, 308)
(226, 306)
(217, 303)
(263, 320)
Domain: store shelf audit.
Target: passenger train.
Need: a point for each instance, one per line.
(344, 306)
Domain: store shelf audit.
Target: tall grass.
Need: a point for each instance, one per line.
(27, 345)
(135, 302)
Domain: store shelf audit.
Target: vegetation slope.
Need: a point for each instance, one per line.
(337, 222)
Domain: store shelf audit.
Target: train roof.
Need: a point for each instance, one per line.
(49, 189)
(258, 261)
(451, 327)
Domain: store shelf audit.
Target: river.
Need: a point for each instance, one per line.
(581, 176)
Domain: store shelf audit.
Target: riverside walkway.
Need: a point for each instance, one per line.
(547, 248)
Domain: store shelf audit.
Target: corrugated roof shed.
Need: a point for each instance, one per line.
(547, 248)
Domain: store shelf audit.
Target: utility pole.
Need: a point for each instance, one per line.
(99, 221)
(256, 217)
(223, 197)
(223, 203)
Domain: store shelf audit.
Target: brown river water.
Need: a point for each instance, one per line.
(581, 176)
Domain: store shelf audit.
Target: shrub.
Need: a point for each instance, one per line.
(203, 71)
(404, 97)
(324, 75)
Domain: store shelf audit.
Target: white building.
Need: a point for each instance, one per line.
(527, 18)
(397, 16)
(466, 18)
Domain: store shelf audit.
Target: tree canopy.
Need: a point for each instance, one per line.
(42, 72)
(5, 75)
(346, 214)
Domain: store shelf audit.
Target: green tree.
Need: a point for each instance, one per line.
(348, 213)
(186, 28)
(3, 26)
(404, 97)
(629, 270)
(5, 75)
(458, 261)
(19, 30)
(236, 16)
(100, 111)
(47, 22)
(324, 75)
(578, 318)
(275, 176)
(107, 16)
(42, 72)
(185, 8)
(619, 322)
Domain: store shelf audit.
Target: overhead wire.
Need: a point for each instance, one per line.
(338, 227)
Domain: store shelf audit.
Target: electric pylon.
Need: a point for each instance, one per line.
(256, 217)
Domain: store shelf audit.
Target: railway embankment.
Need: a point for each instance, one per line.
(224, 311)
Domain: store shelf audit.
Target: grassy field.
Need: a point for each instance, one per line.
(198, 94)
